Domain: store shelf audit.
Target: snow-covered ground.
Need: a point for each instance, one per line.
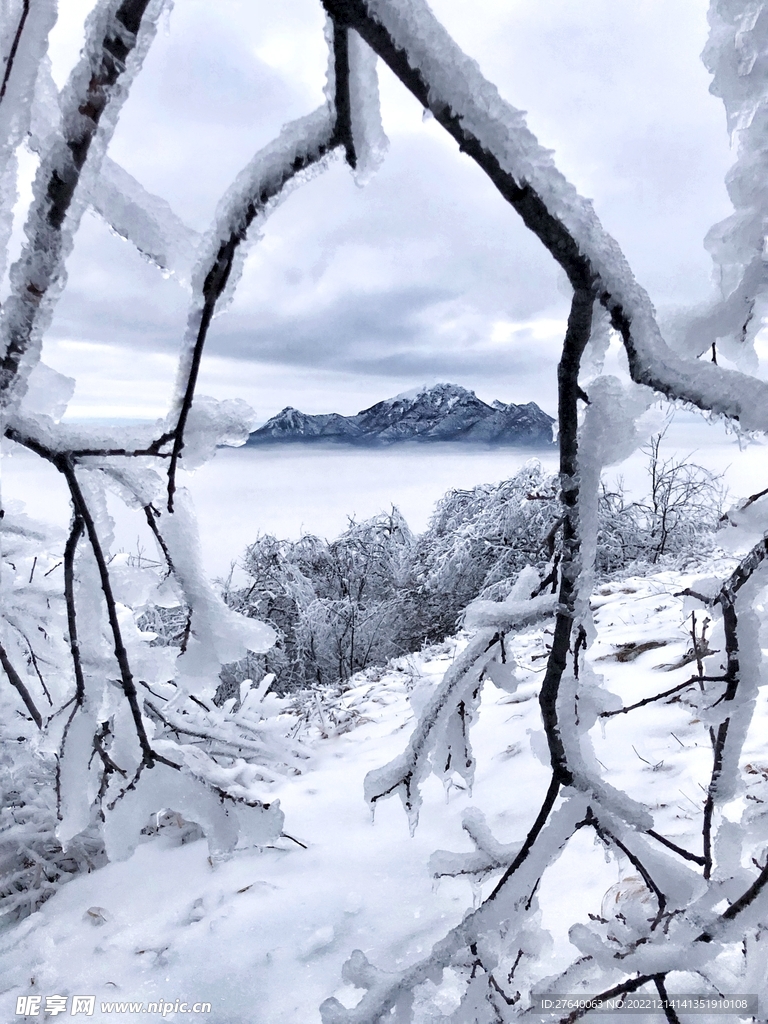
(262, 936)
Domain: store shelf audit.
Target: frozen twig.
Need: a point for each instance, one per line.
(623, 988)
(607, 836)
(75, 533)
(576, 338)
(737, 906)
(685, 854)
(661, 696)
(18, 684)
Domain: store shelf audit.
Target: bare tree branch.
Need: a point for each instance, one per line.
(75, 534)
(18, 683)
(660, 696)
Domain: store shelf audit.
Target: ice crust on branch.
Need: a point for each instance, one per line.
(735, 55)
(489, 853)
(145, 220)
(217, 634)
(190, 795)
(20, 71)
(258, 189)
(368, 136)
(118, 36)
(440, 740)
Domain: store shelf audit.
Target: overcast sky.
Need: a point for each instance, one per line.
(352, 295)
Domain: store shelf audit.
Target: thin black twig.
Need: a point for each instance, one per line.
(75, 533)
(18, 683)
(65, 466)
(152, 515)
(293, 839)
(35, 662)
(14, 48)
(608, 838)
(686, 854)
(623, 988)
(661, 988)
(740, 904)
(530, 839)
(660, 696)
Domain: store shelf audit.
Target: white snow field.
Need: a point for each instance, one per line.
(262, 935)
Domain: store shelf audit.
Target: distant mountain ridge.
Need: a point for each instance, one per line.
(444, 412)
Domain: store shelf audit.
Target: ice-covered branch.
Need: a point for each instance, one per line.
(408, 770)
(737, 907)
(145, 220)
(489, 854)
(509, 904)
(623, 988)
(417, 48)
(23, 43)
(301, 146)
(119, 33)
(449, 704)
(576, 338)
(661, 696)
(83, 512)
(9, 60)
(609, 838)
(734, 55)
(725, 598)
(75, 533)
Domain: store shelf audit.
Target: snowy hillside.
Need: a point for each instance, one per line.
(263, 935)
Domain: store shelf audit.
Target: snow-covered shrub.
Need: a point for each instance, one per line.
(676, 520)
(377, 591)
(477, 542)
(684, 505)
(336, 606)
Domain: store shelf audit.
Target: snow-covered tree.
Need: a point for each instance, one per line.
(124, 727)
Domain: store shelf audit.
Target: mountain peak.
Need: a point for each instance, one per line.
(440, 412)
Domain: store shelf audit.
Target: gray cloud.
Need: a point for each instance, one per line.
(414, 274)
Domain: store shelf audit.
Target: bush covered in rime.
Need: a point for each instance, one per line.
(378, 591)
